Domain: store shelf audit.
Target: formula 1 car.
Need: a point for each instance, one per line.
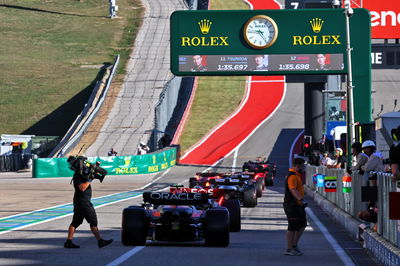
(236, 186)
(218, 197)
(166, 216)
(203, 179)
(262, 168)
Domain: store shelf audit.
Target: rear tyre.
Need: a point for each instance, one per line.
(259, 187)
(216, 231)
(269, 181)
(233, 206)
(250, 197)
(134, 226)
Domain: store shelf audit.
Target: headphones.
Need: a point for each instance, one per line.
(395, 134)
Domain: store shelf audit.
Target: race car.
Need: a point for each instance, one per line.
(166, 216)
(262, 168)
(202, 178)
(236, 186)
(218, 198)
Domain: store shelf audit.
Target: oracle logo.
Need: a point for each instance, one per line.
(384, 18)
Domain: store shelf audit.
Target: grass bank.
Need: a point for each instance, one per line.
(51, 53)
(216, 97)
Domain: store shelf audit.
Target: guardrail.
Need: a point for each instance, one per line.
(84, 120)
(351, 203)
(115, 165)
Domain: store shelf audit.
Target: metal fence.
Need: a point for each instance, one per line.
(351, 202)
(14, 162)
(164, 109)
(173, 99)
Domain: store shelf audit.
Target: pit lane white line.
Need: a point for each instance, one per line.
(336, 247)
(126, 256)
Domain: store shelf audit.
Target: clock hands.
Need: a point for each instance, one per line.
(262, 35)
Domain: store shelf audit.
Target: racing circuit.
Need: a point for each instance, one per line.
(34, 233)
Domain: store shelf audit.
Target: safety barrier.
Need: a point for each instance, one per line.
(350, 201)
(89, 112)
(115, 165)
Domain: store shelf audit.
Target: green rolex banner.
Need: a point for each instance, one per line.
(115, 165)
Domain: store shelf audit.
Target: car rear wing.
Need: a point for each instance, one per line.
(213, 193)
(168, 198)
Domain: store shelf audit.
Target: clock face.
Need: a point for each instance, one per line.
(260, 32)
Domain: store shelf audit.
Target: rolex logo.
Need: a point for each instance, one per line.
(127, 161)
(316, 24)
(204, 25)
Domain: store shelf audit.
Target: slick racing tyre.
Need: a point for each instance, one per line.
(259, 187)
(269, 180)
(216, 231)
(250, 197)
(233, 206)
(134, 227)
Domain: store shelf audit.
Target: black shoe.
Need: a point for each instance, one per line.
(69, 244)
(102, 243)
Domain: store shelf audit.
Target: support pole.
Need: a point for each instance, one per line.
(350, 107)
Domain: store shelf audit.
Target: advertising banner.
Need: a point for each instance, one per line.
(115, 165)
(385, 18)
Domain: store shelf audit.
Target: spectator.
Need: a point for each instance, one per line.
(341, 160)
(326, 160)
(143, 148)
(375, 160)
(112, 152)
(334, 113)
(394, 154)
(360, 157)
(113, 9)
(370, 215)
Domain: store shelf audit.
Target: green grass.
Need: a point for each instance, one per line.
(44, 45)
(216, 97)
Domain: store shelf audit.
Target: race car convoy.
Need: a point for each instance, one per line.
(206, 211)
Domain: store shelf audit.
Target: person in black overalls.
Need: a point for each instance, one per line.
(83, 208)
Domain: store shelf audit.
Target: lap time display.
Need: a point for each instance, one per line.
(261, 63)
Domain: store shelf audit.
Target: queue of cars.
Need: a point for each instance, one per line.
(208, 210)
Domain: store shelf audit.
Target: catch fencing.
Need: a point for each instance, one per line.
(350, 202)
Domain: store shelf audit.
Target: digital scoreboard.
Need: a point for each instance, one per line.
(261, 63)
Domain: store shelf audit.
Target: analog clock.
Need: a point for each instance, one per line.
(260, 32)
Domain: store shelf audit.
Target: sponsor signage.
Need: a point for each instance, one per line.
(385, 18)
(330, 183)
(385, 15)
(385, 56)
(258, 42)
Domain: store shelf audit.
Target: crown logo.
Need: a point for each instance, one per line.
(316, 24)
(204, 25)
(127, 161)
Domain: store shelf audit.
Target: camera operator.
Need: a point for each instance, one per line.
(84, 173)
